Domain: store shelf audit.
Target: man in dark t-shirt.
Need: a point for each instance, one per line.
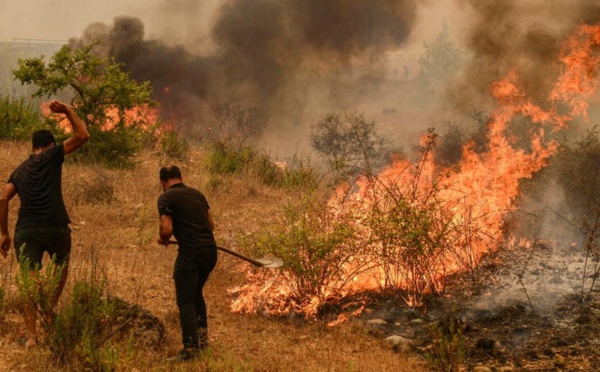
(42, 223)
(185, 214)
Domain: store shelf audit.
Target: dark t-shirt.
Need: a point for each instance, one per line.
(37, 181)
(189, 209)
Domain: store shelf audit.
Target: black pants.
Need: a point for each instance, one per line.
(190, 274)
(32, 242)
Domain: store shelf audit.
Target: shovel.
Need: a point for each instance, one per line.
(260, 262)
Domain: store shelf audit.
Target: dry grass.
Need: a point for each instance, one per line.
(114, 229)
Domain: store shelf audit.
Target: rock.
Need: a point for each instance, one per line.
(416, 321)
(482, 369)
(559, 360)
(400, 343)
(131, 320)
(377, 322)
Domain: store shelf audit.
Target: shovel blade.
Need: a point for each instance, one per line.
(270, 262)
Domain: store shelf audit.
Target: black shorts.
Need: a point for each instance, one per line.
(56, 240)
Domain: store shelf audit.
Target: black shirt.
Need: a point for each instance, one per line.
(37, 181)
(189, 209)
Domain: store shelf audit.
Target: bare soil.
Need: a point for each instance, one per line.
(114, 223)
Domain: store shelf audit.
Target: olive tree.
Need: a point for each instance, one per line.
(102, 94)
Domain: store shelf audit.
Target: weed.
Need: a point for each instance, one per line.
(18, 119)
(76, 333)
(223, 159)
(448, 348)
(173, 146)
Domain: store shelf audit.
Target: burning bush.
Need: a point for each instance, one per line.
(322, 252)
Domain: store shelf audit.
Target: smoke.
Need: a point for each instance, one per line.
(300, 59)
(521, 36)
(272, 54)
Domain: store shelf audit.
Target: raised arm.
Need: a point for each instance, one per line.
(80, 133)
(8, 192)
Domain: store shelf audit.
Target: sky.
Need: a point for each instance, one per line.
(64, 19)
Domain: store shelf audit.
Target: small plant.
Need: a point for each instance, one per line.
(79, 331)
(591, 231)
(267, 171)
(18, 119)
(234, 124)
(300, 174)
(37, 288)
(448, 348)
(76, 333)
(97, 189)
(229, 160)
(566, 193)
(173, 146)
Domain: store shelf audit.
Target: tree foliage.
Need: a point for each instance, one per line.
(350, 142)
(102, 94)
(439, 61)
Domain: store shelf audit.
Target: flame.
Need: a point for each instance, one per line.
(470, 202)
(579, 82)
(144, 117)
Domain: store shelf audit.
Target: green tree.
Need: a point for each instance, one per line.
(439, 61)
(102, 94)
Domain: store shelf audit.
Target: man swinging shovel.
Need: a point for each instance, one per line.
(185, 213)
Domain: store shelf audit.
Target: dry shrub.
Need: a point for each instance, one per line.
(94, 189)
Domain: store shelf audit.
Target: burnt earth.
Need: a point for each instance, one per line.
(528, 314)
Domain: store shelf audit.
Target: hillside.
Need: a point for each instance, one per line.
(114, 230)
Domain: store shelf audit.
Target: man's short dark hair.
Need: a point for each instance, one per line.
(42, 138)
(170, 173)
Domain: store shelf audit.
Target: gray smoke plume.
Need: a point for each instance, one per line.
(263, 52)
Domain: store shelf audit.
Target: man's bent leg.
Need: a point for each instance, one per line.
(59, 248)
(29, 316)
(206, 265)
(61, 285)
(185, 288)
